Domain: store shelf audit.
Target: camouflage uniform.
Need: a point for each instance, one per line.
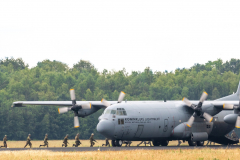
(107, 143)
(65, 141)
(210, 143)
(92, 140)
(128, 143)
(28, 141)
(234, 136)
(4, 142)
(145, 143)
(179, 143)
(77, 141)
(45, 141)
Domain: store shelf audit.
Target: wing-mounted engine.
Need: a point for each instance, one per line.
(75, 108)
(233, 118)
(198, 112)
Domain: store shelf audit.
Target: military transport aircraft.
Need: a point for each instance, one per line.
(158, 121)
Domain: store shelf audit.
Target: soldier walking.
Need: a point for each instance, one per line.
(234, 136)
(65, 141)
(4, 142)
(179, 143)
(107, 143)
(128, 143)
(45, 141)
(28, 141)
(77, 141)
(145, 143)
(210, 143)
(92, 140)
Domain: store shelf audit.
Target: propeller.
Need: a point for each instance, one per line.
(197, 110)
(120, 99)
(75, 108)
(236, 108)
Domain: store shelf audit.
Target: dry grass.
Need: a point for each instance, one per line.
(199, 154)
(58, 143)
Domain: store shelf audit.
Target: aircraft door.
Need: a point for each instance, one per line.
(139, 130)
(119, 128)
(165, 125)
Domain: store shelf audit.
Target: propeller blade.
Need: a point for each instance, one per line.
(188, 103)
(237, 125)
(121, 96)
(63, 110)
(72, 95)
(203, 97)
(76, 122)
(86, 106)
(190, 121)
(208, 117)
(105, 102)
(228, 106)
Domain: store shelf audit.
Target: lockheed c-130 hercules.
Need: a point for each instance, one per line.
(158, 121)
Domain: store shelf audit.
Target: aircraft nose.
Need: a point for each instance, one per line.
(106, 128)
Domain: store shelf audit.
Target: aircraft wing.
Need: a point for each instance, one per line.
(97, 104)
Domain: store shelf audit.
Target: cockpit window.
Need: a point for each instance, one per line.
(107, 111)
(121, 111)
(113, 111)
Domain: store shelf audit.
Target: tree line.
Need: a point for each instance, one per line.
(52, 80)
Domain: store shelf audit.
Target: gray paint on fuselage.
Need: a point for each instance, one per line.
(154, 116)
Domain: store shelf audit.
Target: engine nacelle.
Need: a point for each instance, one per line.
(199, 136)
(230, 119)
(182, 131)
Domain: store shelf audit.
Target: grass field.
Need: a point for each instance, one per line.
(196, 154)
(58, 143)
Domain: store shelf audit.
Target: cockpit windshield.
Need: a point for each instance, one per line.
(119, 111)
(113, 111)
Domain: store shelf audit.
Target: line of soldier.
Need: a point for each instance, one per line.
(92, 140)
(65, 141)
(77, 141)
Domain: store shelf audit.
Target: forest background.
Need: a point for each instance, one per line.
(51, 81)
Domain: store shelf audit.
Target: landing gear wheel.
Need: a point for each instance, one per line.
(156, 143)
(191, 143)
(200, 143)
(118, 143)
(164, 143)
(113, 143)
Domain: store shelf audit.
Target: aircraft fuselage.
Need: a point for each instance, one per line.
(156, 121)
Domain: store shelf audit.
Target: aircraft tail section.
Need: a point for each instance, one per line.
(233, 97)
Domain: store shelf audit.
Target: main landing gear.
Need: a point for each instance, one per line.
(198, 143)
(158, 143)
(117, 143)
